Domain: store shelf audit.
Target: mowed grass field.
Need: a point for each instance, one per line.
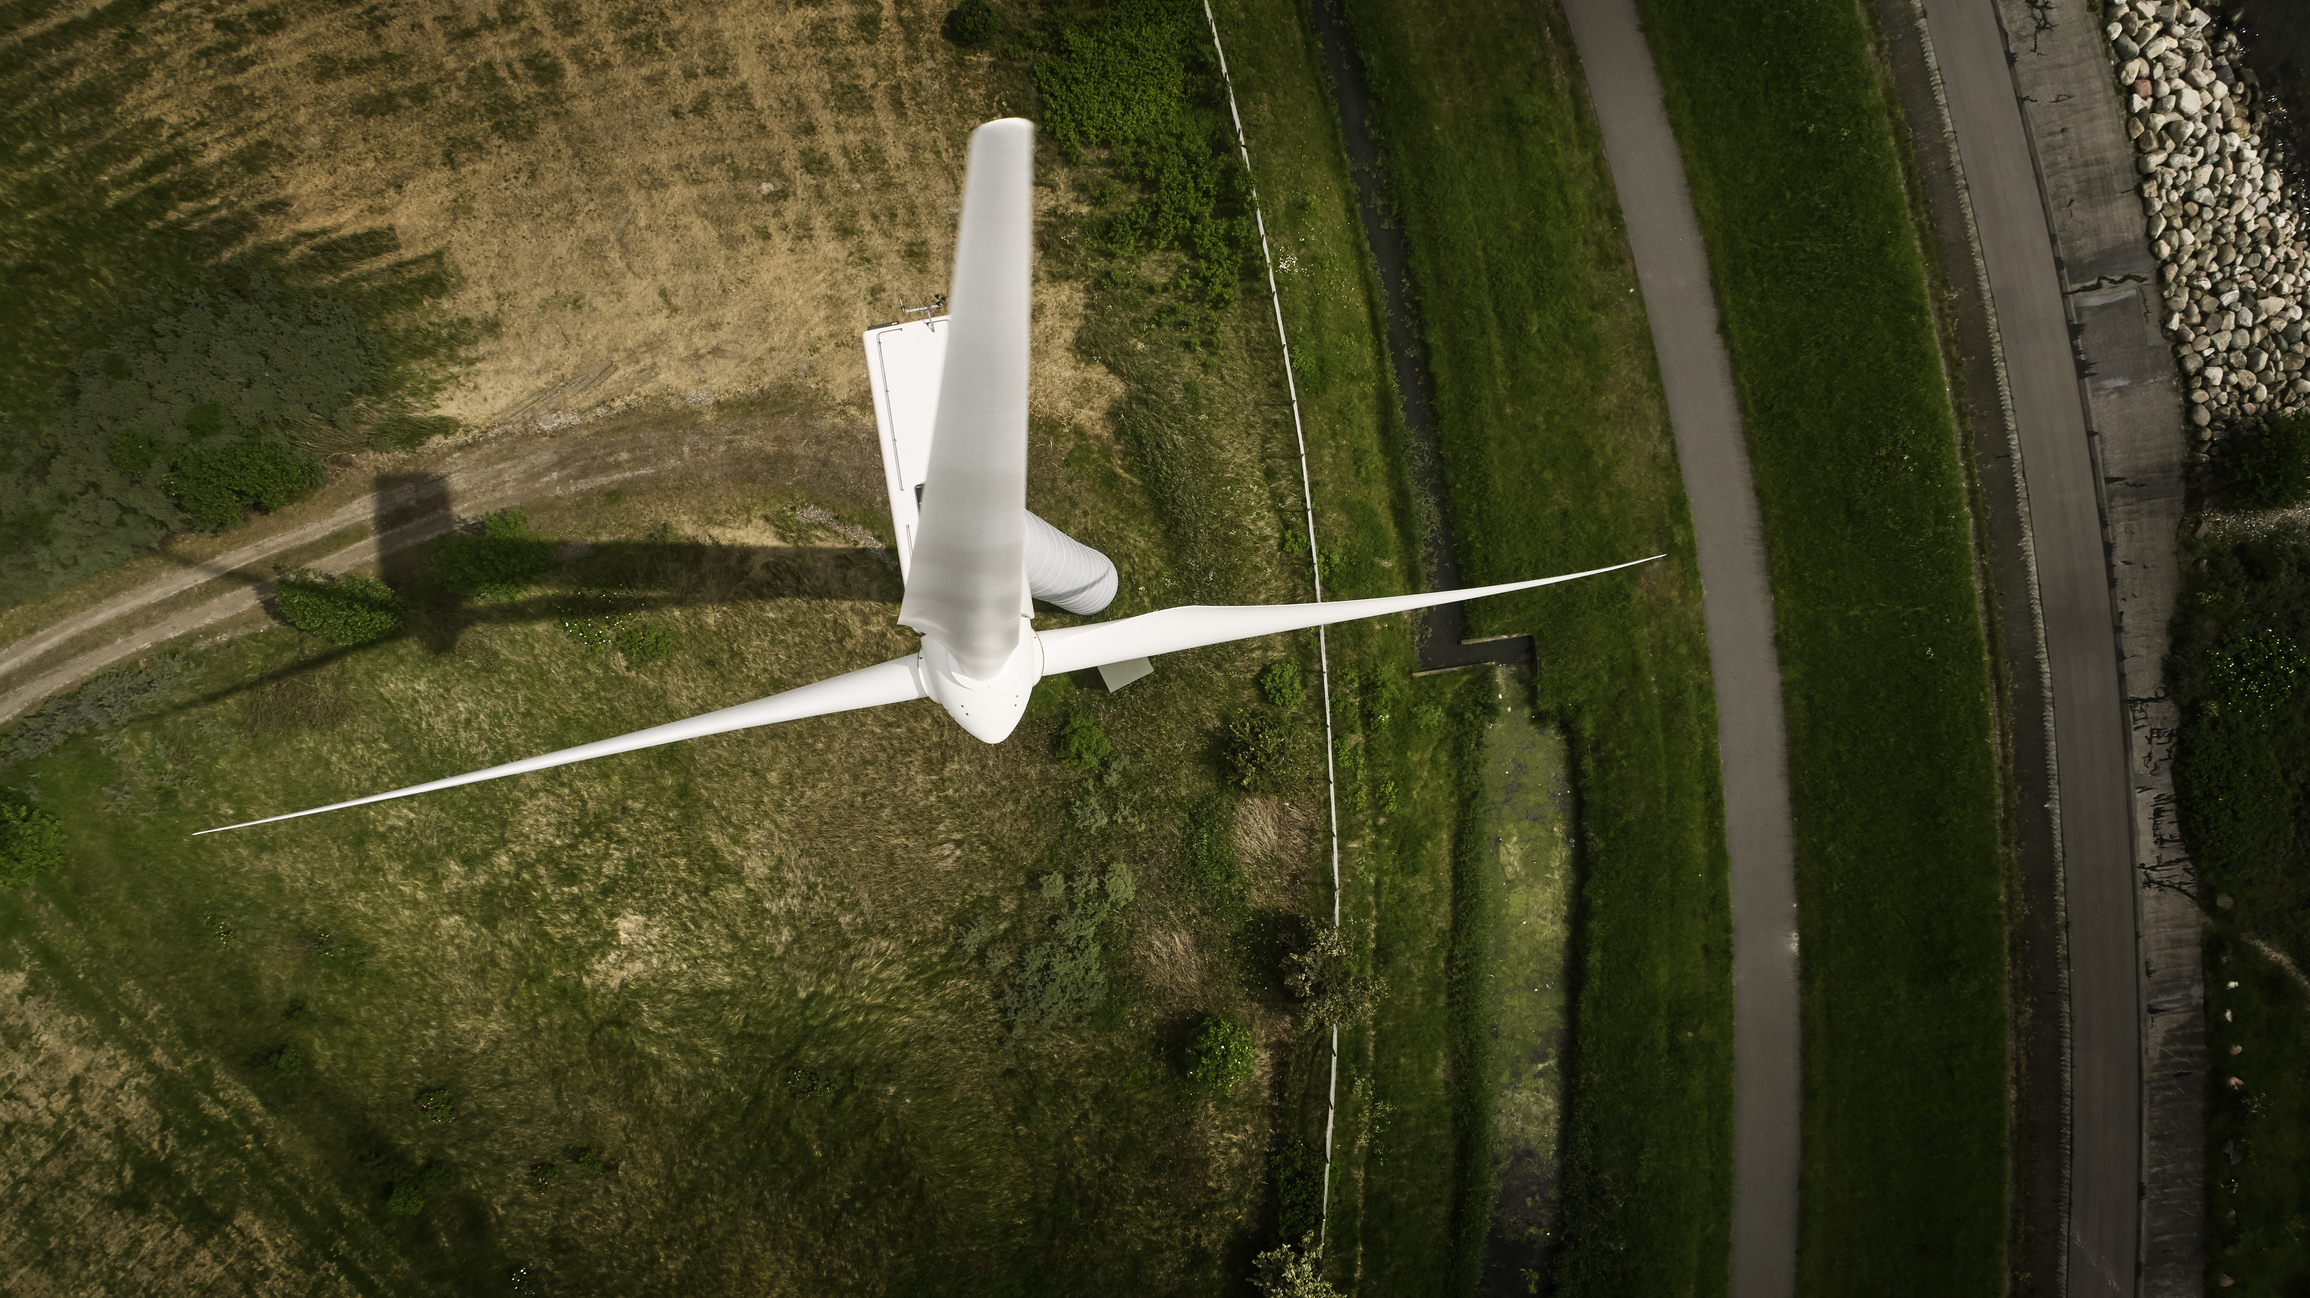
(1824, 288)
(1558, 456)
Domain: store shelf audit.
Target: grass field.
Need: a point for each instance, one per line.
(760, 977)
(1820, 276)
(2257, 1142)
(2238, 671)
(1559, 457)
(534, 209)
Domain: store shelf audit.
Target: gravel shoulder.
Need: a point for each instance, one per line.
(406, 500)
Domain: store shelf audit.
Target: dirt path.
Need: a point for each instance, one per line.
(1752, 737)
(415, 498)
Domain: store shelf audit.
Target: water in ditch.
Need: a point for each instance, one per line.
(1528, 784)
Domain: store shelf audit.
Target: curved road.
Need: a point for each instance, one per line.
(1752, 736)
(2092, 799)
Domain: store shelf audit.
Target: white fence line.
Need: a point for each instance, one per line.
(1315, 569)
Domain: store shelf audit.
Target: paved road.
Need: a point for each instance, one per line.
(1752, 738)
(2092, 799)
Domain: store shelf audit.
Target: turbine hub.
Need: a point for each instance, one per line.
(988, 709)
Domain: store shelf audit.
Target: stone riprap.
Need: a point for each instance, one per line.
(2225, 225)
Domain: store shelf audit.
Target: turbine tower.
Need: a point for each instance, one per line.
(974, 559)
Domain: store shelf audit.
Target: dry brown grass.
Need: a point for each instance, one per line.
(596, 172)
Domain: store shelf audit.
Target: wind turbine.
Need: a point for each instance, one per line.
(974, 557)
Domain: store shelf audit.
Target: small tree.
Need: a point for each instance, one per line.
(1288, 1272)
(31, 844)
(1221, 1055)
(1334, 996)
(350, 610)
(498, 564)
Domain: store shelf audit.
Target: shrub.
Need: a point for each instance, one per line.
(31, 844)
(115, 696)
(1068, 972)
(1288, 1272)
(643, 644)
(498, 564)
(1083, 746)
(2272, 471)
(1221, 1055)
(1280, 683)
(350, 610)
(410, 1192)
(288, 1061)
(438, 1104)
(1266, 753)
(1334, 996)
(544, 1176)
(215, 485)
(1212, 871)
(590, 1159)
(1298, 1170)
(974, 24)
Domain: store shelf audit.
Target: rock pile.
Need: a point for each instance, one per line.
(2236, 262)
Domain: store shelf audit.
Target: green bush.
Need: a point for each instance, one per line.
(31, 844)
(545, 1176)
(973, 23)
(1068, 972)
(115, 696)
(1288, 1272)
(288, 1061)
(408, 432)
(437, 1104)
(215, 485)
(349, 610)
(1281, 686)
(1298, 1170)
(1334, 995)
(1211, 870)
(498, 564)
(1267, 753)
(410, 1192)
(1221, 1055)
(1083, 745)
(2273, 470)
(590, 1159)
(643, 644)
(2239, 672)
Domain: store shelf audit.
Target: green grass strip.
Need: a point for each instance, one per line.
(1558, 455)
(1788, 133)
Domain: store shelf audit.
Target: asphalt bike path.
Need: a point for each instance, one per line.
(1752, 737)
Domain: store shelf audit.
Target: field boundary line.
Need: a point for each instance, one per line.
(1315, 570)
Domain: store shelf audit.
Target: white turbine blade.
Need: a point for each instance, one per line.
(892, 682)
(1072, 648)
(967, 581)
